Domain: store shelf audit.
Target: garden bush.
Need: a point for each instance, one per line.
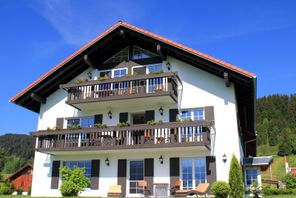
(68, 188)
(290, 181)
(236, 179)
(74, 181)
(19, 191)
(269, 190)
(220, 189)
(255, 190)
(5, 189)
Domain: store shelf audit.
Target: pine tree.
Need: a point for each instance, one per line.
(286, 144)
(235, 180)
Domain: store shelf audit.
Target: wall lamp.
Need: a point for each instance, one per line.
(110, 114)
(107, 162)
(160, 111)
(168, 65)
(161, 159)
(224, 158)
(89, 74)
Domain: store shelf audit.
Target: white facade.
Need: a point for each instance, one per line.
(200, 89)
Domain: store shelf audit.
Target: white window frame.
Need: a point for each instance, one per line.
(80, 120)
(128, 179)
(258, 179)
(193, 170)
(192, 112)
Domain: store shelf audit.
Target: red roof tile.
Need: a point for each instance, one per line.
(142, 31)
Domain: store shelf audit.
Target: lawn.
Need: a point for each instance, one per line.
(275, 196)
(281, 196)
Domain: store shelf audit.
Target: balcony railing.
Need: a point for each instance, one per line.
(173, 134)
(123, 88)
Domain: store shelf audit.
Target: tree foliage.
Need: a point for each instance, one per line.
(235, 179)
(74, 181)
(16, 150)
(276, 122)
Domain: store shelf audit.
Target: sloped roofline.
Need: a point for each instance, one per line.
(20, 170)
(141, 31)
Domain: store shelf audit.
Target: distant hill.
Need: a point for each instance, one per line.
(16, 150)
(276, 123)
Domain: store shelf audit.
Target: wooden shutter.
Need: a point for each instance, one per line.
(60, 123)
(173, 115)
(211, 169)
(55, 174)
(174, 170)
(209, 113)
(121, 175)
(149, 115)
(123, 117)
(149, 174)
(99, 119)
(95, 174)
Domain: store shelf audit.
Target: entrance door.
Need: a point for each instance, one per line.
(136, 175)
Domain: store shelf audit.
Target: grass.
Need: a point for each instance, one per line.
(281, 196)
(278, 165)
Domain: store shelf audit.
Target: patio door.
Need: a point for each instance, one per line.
(136, 171)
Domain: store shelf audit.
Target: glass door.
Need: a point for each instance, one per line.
(136, 175)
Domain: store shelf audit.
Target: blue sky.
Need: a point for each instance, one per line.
(258, 36)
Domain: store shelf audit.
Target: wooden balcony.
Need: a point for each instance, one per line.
(173, 134)
(128, 87)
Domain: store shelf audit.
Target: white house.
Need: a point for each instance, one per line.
(133, 106)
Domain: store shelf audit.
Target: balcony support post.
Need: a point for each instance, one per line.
(37, 142)
(79, 140)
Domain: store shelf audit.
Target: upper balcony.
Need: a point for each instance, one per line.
(151, 88)
(161, 135)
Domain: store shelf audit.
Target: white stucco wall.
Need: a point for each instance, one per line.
(200, 89)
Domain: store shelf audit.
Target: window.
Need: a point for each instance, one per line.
(120, 72)
(136, 175)
(251, 175)
(119, 57)
(193, 114)
(193, 172)
(85, 122)
(106, 73)
(80, 164)
(140, 53)
(152, 68)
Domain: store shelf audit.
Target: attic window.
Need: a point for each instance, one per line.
(140, 53)
(119, 57)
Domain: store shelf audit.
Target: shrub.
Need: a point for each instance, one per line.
(29, 191)
(5, 189)
(68, 188)
(269, 190)
(290, 181)
(100, 126)
(220, 189)
(19, 191)
(255, 190)
(74, 181)
(236, 179)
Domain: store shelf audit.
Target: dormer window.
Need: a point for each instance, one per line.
(140, 53)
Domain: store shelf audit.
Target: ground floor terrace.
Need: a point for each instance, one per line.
(138, 171)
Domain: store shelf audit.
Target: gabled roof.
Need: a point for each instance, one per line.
(20, 170)
(142, 31)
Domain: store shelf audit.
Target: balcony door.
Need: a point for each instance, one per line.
(136, 174)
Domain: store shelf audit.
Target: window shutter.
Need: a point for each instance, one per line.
(149, 174)
(95, 174)
(209, 113)
(99, 119)
(123, 117)
(60, 123)
(173, 115)
(149, 115)
(211, 169)
(55, 174)
(174, 170)
(121, 174)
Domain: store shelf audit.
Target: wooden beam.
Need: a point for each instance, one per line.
(226, 79)
(88, 61)
(38, 98)
(160, 52)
